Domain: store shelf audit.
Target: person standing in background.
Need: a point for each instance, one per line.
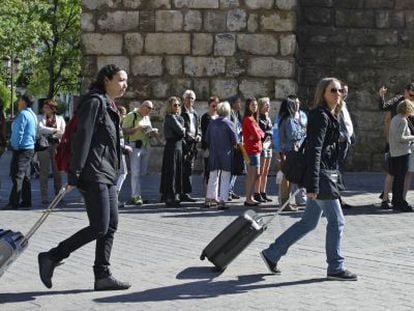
(265, 124)
(192, 137)
(3, 131)
(23, 138)
(137, 127)
(206, 118)
(252, 140)
(52, 126)
(172, 165)
(238, 162)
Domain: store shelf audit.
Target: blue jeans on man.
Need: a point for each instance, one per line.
(310, 219)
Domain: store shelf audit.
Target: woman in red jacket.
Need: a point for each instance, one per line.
(252, 138)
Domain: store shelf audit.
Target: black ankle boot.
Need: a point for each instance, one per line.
(258, 197)
(110, 283)
(265, 197)
(46, 268)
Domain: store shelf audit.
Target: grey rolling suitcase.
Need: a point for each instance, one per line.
(13, 244)
(237, 236)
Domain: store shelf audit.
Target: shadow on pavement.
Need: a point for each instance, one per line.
(29, 296)
(203, 289)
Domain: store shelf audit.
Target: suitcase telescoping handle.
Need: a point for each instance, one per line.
(45, 214)
(271, 217)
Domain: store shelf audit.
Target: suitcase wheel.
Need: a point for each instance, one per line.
(203, 256)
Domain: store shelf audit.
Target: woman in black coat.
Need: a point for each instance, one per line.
(94, 165)
(321, 183)
(171, 172)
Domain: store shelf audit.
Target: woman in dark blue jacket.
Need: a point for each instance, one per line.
(94, 164)
(321, 183)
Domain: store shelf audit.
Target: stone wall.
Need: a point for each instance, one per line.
(215, 47)
(223, 47)
(367, 43)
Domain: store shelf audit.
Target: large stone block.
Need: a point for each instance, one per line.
(168, 20)
(260, 4)
(171, 43)
(390, 19)
(147, 20)
(225, 44)
(288, 44)
(98, 44)
(160, 4)
(224, 88)
(202, 89)
(119, 21)
(174, 65)
(202, 43)
(132, 4)
(409, 16)
(279, 21)
(87, 22)
(215, 21)
(271, 67)
(404, 4)
(229, 4)
(236, 20)
(256, 88)
(286, 4)
(372, 37)
(253, 23)
(236, 65)
(147, 66)
(260, 44)
(134, 43)
(197, 4)
(179, 86)
(88, 65)
(349, 4)
(355, 19)
(379, 4)
(98, 4)
(120, 61)
(285, 87)
(193, 21)
(160, 88)
(316, 3)
(318, 16)
(204, 66)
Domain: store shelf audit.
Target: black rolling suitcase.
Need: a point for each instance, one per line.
(12, 244)
(235, 238)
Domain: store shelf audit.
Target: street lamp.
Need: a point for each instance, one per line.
(12, 68)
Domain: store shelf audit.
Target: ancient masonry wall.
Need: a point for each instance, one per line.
(220, 47)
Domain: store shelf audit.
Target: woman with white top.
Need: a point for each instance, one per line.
(52, 126)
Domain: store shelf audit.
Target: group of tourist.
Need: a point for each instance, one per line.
(106, 133)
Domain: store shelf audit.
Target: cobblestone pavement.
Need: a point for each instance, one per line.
(157, 250)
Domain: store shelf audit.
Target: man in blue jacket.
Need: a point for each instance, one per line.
(22, 141)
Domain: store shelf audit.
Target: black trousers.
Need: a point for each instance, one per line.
(399, 168)
(102, 208)
(188, 164)
(20, 175)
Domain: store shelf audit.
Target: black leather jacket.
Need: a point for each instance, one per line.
(321, 146)
(96, 148)
(173, 127)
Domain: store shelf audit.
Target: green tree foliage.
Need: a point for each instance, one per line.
(45, 34)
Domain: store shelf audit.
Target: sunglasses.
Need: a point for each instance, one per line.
(411, 95)
(176, 105)
(334, 91)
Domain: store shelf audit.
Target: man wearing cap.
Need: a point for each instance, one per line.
(137, 127)
(22, 140)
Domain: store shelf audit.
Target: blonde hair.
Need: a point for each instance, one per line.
(171, 102)
(223, 109)
(407, 106)
(262, 101)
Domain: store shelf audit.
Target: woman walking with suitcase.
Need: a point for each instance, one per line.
(321, 183)
(94, 165)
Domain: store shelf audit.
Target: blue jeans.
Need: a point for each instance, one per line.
(309, 221)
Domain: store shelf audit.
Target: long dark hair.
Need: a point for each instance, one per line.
(287, 109)
(108, 72)
(247, 111)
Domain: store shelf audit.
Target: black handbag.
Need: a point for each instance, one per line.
(42, 143)
(294, 167)
(329, 184)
